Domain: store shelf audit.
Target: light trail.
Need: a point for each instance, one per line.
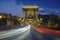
(47, 31)
(14, 32)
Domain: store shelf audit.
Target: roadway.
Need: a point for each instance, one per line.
(27, 33)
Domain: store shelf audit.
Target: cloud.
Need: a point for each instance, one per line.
(41, 9)
(57, 11)
(5, 0)
(43, 13)
(15, 7)
(46, 11)
(11, 7)
(27, 2)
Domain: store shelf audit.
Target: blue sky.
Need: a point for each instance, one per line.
(15, 6)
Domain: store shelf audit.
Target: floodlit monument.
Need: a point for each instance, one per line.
(30, 14)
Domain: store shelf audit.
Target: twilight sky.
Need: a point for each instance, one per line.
(15, 6)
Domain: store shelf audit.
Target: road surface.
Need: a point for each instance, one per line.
(31, 34)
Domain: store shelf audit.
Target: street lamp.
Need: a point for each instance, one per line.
(41, 19)
(22, 20)
(0, 16)
(19, 18)
(38, 20)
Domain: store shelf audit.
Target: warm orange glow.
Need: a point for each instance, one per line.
(22, 20)
(0, 16)
(41, 19)
(38, 20)
(19, 18)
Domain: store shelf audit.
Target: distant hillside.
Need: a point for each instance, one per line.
(47, 16)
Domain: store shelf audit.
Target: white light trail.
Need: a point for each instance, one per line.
(14, 32)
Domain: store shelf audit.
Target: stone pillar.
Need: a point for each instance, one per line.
(30, 14)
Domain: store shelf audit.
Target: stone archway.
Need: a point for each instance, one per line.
(30, 14)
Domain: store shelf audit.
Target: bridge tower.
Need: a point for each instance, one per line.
(30, 14)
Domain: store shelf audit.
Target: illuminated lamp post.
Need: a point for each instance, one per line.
(19, 19)
(41, 19)
(40, 22)
(0, 17)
